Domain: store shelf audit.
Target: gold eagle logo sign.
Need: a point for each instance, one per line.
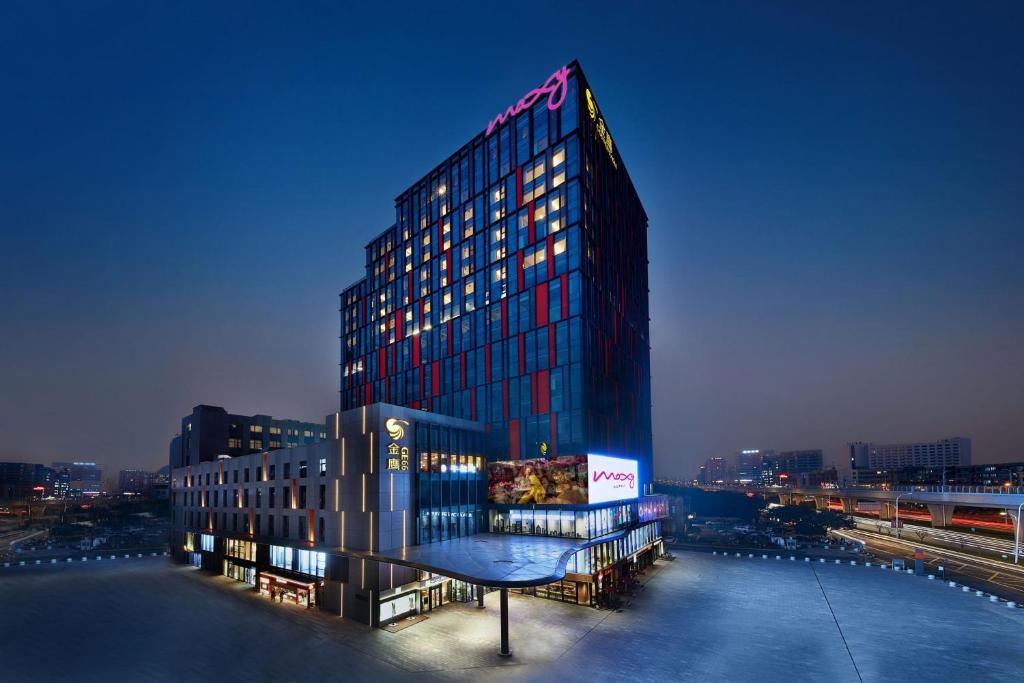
(396, 428)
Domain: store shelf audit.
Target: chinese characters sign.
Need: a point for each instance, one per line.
(398, 454)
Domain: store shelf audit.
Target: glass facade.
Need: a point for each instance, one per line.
(566, 523)
(451, 479)
(512, 290)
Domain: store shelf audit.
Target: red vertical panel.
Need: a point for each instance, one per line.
(551, 256)
(448, 257)
(541, 302)
(487, 362)
(422, 303)
(532, 393)
(531, 225)
(565, 295)
(252, 515)
(462, 369)
(543, 392)
(472, 403)
(415, 351)
(382, 360)
(519, 270)
(449, 335)
(519, 185)
(435, 378)
(504, 318)
(399, 325)
(295, 493)
(504, 399)
(521, 340)
(369, 395)
(513, 439)
(552, 361)
(310, 530)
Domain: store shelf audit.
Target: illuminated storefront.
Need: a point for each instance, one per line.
(283, 589)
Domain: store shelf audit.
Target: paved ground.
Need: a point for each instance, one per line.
(700, 618)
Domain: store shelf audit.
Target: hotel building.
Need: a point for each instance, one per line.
(494, 429)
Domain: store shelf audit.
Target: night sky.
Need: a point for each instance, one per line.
(835, 195)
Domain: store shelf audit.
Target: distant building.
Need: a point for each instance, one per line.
(84, 478)
(943, 453)
(818, 479)
(211, 431)
(748, 466)
(715, 471)
(20, 480)
(990, 475)
(795, 463)
(135, 481)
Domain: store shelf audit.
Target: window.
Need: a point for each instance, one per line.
(207, 542)
(272, 489)
(255, 429)
(323, 466)
(287, 470)
(256, 444)
(234, 442)
(281, 556)
(272, 473)
(243, 550)
(323, 496)
(303, 470)
(275, 430)
(311, 563)
(302, 498)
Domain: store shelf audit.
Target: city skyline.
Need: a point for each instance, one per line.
(185, 240)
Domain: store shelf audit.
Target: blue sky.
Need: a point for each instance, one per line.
(834, 190)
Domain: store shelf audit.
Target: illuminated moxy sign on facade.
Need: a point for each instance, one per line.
(555, 88)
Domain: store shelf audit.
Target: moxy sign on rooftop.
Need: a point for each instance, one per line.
(555, 88)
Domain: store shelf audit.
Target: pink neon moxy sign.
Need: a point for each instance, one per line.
(555, 88)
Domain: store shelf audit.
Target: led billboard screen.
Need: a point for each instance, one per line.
(611, 478)
(571, 480)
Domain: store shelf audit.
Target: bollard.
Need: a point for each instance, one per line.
(931, 577)
(38, 561)
(154, 554)
(84, 559)
(737, 554)
(838, 561)
(867, 564)
(791, 558)
(965, 589)
(764, 557)
(22, 563)
(113, 557)
(807, 559)
(7, 564)
(883, 566)
(853, 563)
(140, 554)
(69, 559)
(750, 554)
(126, 556)
(910, 571)
(53, 561)
(993, 598)
(1011, 604)
(821, 560)
(98, 557)
(713, 552)
(980, 594)
(778, 557)
(952, 584)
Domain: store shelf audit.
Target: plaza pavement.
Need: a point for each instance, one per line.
(699, 618)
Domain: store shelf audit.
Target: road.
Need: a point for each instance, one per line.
(995, 576)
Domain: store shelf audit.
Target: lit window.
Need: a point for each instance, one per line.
(559, 246)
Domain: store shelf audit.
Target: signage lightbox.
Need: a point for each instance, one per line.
(611, 478)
